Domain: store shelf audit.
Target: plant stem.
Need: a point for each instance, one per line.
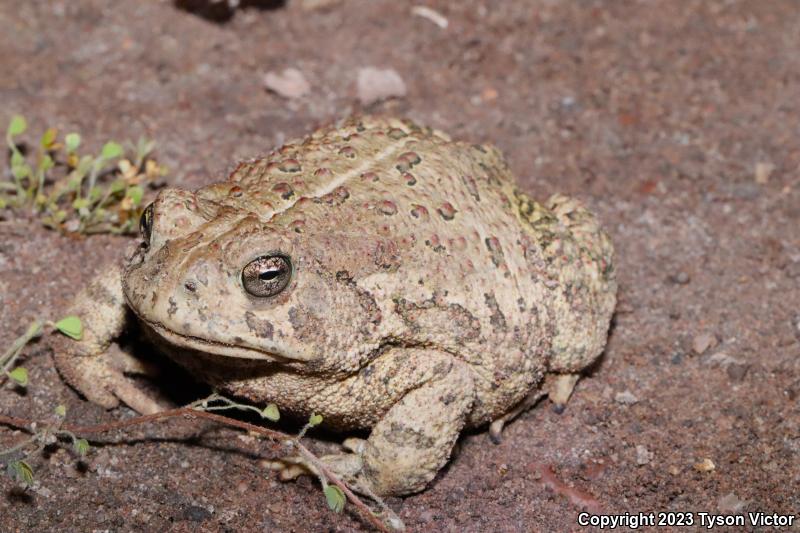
(191, 412)
(18, 446)
(10, 356)
(14, 150)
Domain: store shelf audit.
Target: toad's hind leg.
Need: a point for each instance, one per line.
(585, 264)
(412, 441)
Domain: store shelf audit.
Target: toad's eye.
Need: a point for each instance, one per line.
(267, 275)
(146, 223)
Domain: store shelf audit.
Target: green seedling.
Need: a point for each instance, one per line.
(74, 192)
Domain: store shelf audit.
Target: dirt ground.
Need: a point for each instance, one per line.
(656, 114)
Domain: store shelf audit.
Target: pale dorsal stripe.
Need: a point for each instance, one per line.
(344, 177)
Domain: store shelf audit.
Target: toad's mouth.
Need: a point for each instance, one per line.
(221, 348)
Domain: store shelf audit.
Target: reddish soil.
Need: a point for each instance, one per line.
(654, 113)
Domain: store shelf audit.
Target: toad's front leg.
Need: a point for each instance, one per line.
(89, 364)
(412, 441)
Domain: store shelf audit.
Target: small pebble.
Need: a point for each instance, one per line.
(737, 371)
(730, 503)
(702, 342)
(763, 171)
(679, 278)
(706, 465)
(643, 455)
(41, 490)
(291, 83)
(792, 270)
(195, 513)
(722, 359)
(434, 16)
(796, 328)
(376, 84)
(626, 398)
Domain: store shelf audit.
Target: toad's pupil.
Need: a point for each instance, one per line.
(270, 274)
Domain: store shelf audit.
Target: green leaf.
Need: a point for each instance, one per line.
(111, 150)
(21, 171)
(48, 138)
(3, 203)
(70, 326)
(84, 165)
(17, 159)
(46, 163)
(20, 376)
(80, 203)
(144, 146)
(117, 185)
(21, 471)
(271, 412)
(17, 126)
(61, 410)
(335, 498)
(135, 193)
(72, 141)
(315, 420)
(95, 193)
(74, 181)
(81, 446)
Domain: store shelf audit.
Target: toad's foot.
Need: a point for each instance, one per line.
(91, 365)
(496, 428)
(559, 389)
(557, 386)
(100, 382)
(131, 365)
(345, 466)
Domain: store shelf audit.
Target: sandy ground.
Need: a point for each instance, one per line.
(654, 113)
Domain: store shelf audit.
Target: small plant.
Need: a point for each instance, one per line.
(18, 457)
(17, 465)
(70, 326)
(74, 192)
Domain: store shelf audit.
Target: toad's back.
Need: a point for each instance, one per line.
(465, 262)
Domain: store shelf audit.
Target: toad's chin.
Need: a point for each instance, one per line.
(238, 351)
